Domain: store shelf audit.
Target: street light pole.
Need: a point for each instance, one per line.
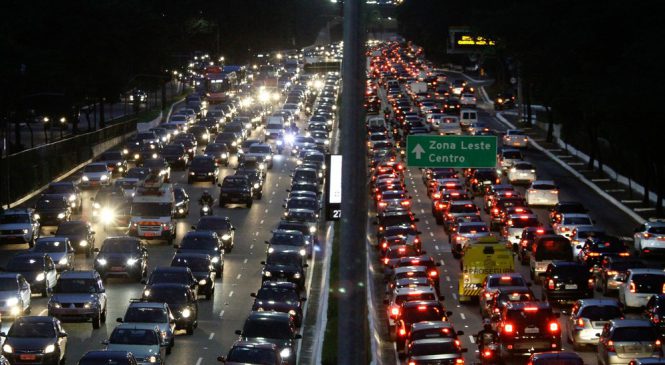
(352, 335)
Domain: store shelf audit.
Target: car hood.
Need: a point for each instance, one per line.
(435, 357)
(74, 297)
(6, 294)
(30, 275)
(270, 305)
(14, 226)
(94, 174)
(31, 343)
(115, 256)
(139, 351)
(201, 274)
(278, 342)
(50, 210)
(201, 169)
(289, 269)
(75, 238)
(56, 256)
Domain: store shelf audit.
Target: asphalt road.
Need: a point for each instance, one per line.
(435, 241)
(218, 318)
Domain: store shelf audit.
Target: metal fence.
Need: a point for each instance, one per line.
(29, 170)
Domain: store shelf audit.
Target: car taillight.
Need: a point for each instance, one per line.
(394, 311)
(435, 273)
(495, 210)
(440, 206)
(405, 203)
(554, 327)
(412, 363)
(580, 322)
(459, 361)
(612, 272)
(594, 254)
(385, 261)
(663, 289)
(402, 331)
(610, 346)
(383, 204)
(647, 235)
(524, 243)
(436, 195)
(632, 287)
(508, 328)
(657, 344)
(624, 254)
(384, 245)
(487, 353)
(488, 296)
(591, 283)
(551, 285)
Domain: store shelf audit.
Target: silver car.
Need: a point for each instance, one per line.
(95, 175)
(15, 295)
(150, 314)
(79, 295)
(587, 319)
(59, 249)
(19, 226)
(625, 339)
(144, 343)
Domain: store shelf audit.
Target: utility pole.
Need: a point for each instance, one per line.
(352, 335)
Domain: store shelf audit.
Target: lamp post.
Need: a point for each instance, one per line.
(63, 125)
(45, 120)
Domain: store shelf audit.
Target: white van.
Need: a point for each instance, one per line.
(376, 122)
(468, 116)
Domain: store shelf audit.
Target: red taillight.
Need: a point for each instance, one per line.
(394, 311)
(508, 328)
(405, 203)
(591, 283)
(440, 206)
(657, 344)
(580, 322)
(436, 195)
(554, 327)
(632, 287)
(383, 204)
(647, 235)
(624, 254)
(422, 307)
(540, 231)
(594, 254)
(487, 353)
(488, 296)
(384, 245)
(412, 363)
(402, 332)
(551, 285)
(495, 210)
(531, 309)
(385, 261)
(435, 273)
(459, 361)
(610, 346)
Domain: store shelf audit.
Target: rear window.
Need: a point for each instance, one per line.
(608, 246)
(572, 271)
(525, 222)
(625, 265)
(433, 333)
(558, 362)
(648, 283)
(553, 249)
(423, 313)
(544, 186)
(577, 221)
(634, 334)
(414, 296)
(476, 228)
(528, 316)
(463, 208)
(424, 349)
(657, 230)
(600, 312)
(512, 155)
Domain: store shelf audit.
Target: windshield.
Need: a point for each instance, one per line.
(506, 281)
(8, 284)
(59, 189)
(18, 264)
(50, 204)
(634, 334)
(657, 230)
(234, 183)
(31, 329)
(424, 349)
(71, 229)
(137, 173)
(213, 224)
(559, 362)
(648, 283)
(290, 239)
(194, 264)
(251, 355)
(14, 218)
(149, 315)
(76, 286)
(463, 208)
(119, 247)
(284, 258)
(267, 328)
(512, 155)
(608, 246)
(49, 246)
(95, 168)
(625, 265)
(303, 203)
(279, 295)
(581, 221)
(202, 163)
(173, 150)
(121, 336)
(168, 295)
(168, 277)
(476, 228)
(199, 242)
(554, 249)
(151, 209)
(600, 313)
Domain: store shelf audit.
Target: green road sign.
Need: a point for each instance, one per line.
(450, 151)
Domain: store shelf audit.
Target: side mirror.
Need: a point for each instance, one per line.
(2, 334)
(238, 332)
(253, 295)
(219, 185)
(438, 264)
(262, 262)
(221, 358)
(597, 334)
(93, 232)
(175, 245)
(637, 230)
(283, 205)
(449, 313)
(416, 220)
(101, 291)
(442, 298)
(95, 250)
(62, 335)
(297, 336)
(303, 299)
(266, 242)
(305, 265)
(288, 190)
(193, 227)
(460, 333)
(119, 320)
(143, 281)
(52, 233)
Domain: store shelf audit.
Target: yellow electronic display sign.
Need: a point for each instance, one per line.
(471, 41)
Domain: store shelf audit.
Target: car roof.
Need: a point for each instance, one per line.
(430, 324)
(562, 355)
(143, 304)
(563, 264)
(647, 271)
(407, 291)
(575, 215)
(253, 344)
(259, 315)
(617, 323)
(134, 326)
(426, 341)
(598, 302)
(87, 274)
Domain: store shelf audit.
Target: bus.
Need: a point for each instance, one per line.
(220, 86)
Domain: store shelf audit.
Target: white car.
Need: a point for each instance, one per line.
(570, 221)
(509, 156)
(578, 236)
(542, 192)
(640, 286)
(521, 172)
(15, 295)
(650, 238)
(467, 99)
(515, 138)
(450, 126)
(96, 174)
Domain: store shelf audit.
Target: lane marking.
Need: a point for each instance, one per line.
(472, 339)
(245, 261)
(199, 361)
(442, 263)
(231, 294)
(614, 190)
(447, 278)
(600, 180)
(251, 247)
(436, 247)
(419, 200)
(455, 296)
(261, 222)
(422, 211)
(564, 156)
(257, 233)
(431, 234)
(643, 209)
(212, 334)
(238, 276)
(576, 163)
(630, 201)
(266, 210)
(462, 315)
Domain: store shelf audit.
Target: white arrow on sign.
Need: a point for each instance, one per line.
(418, 150)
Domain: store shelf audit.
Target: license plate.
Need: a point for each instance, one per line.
(28, 357)
(225, 194)
(117, 268)
(633, 349)
(571, 286)
(531, 330)
(150, 234)
(487, 182)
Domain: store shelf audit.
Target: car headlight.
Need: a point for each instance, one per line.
(271, 249)
(256, 185)
(285, 353)
(12, 301)
(125, 151)
(40, 277)
(292, 312)
(226, 237)
(56, 305)
(152, 359)
(85, 178)
(132, 261)
(146, 293)
(297, 275)
(137, 156)
(72, 197)
(303, 252)
(262, 166)
(203, 282)
(326, 142)
(312, 229)
(101, 261)
(7, 348)
(83, 243)
(267, 274)
(215, 260)
(25, 231)
(63, 261)
(49, 349)
(268, 157)
(107, 216)
(224, 155)
(186, 313)
(234, 143)
(61, 215)
(88, 305)
(104, 178)
(96, 205)
(279, 143)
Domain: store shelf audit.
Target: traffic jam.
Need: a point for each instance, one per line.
(498, 264)
(192, 242)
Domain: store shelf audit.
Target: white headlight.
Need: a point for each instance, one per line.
(226, 237)
(83, 243)
(85, 178)
(152, 359)
(72, 197)
(224, 155)
(40, 277)
(7, 348)
(96, 205)
(203, 282)
(234, 143)
(125, 151)
(25, 231)
(61, 215)
(267, 274)
(271, 249)
(104, 177)
(186, 313)
(49, 349)
(285, 353)
(292, 312)
(262, 166)
(297, 275)
(256, 185)
(63, 261)
(312, 229)
(101, 261)
(107, 216)
(303, 252)
(12, 301)
(215, 260)
(146, 292)
(132, 261)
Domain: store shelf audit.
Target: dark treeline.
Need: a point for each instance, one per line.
(93, 49)
(595, 65)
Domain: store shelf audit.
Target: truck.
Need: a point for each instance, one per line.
(152, 211)
(481, 257)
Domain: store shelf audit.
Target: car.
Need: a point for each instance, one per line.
(200, 132)
(285, 240)
(542, 193)
(249, 352)
(70, 191)
(515, 224)
(279, 296)
(649, 238)
(202, 268)
(203, 168)
(622, 340)
(508, 157)
(236, 189)
(219, 152)
(95, 174)
(308, 231)
(255, 177)
(222, 226)
(159, 166)
(521, 172)
(35, 340)
(563, 207)
(171, 275)
(144, 343)
(38, 270)
(503, 296)
(640, 286)
(204, 242)
(515, 138)
(59, 249)
(555, 357)
(122, 256)
(529, 236)
(547, 249)
(611, 273)
(439, 350)
(259, 152)
(493, 282)
(284, 265)
(115, 161)
(176, 155)
(587, 319)
(52, 209)
(655, 312)
(594, 249)
(96, 357)
(145, 314)
(272, 327)
(15, 295)
(579, 236)
(431, 329)
(527, 327)
(79, 295)
(414, 311)
(110, 201)
(505, 100)
(647, 361)
(19, 226)
(180, 299)
(80, 235)
(458, 209)
(464, 233)
(570, 221)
